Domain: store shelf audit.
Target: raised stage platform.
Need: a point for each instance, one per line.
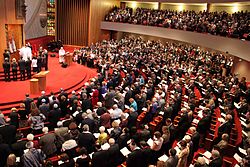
(71, 78)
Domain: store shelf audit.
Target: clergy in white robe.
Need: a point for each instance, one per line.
(61, 55)
(25, 52)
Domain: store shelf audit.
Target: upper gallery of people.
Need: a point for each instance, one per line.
(234, 25)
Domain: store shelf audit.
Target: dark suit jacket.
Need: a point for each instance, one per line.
(44, 109)
(47, 142)
(18, 148)
(122, 140)
(54, 117)
(86, 104)
(195, 139)
(21, 64)
(6, 66)
(4, 153)
(203, 125)
(136, 159)
(183, 122)
(216, 163)
(100, 111)
(172, 131)
(39, 61)
(172, 161)
(39, 100)
(28, 65)
(225, 128)
(89, 122)
(14, 120)
(132, 118)
(66, 123)
(27, 102)
(115, 156)
(128, 95)
(9, 134)
(86, 140)
(109, 99)
(99, 159)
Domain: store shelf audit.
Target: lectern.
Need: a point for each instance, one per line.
(41, 76)
(34, 86)
(68, 58)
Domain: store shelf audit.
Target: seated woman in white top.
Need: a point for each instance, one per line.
(158, 140)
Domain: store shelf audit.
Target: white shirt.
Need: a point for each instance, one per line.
(69, 144)
(116, 113)
(61, 52)
(34, 63)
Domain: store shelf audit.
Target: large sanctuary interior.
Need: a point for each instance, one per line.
(125, 83)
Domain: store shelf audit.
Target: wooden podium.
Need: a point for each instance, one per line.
(34, 86)
(41, 76)
(68, 58)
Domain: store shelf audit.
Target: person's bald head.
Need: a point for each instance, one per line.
(111, 141)
(193, 129)
(228, 117)
(215, 154)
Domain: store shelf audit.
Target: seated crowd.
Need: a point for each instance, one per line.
(234, 25)
(142, 105)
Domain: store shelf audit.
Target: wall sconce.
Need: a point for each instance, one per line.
(180, 7)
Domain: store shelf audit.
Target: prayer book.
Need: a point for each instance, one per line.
(125, 151)
(237, 157)
(163, 158)
(150, 142)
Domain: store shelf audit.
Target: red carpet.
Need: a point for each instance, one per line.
(218, 123)
(57, 78)
(197, 93)
(238, 127)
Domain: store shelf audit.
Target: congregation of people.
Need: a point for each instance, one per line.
(24, 66)
(98, 126)
(234, 25)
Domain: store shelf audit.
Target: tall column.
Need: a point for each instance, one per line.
(159, 5)
(208, 7)
(123, 5)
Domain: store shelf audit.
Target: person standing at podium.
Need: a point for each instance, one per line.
(61, 55)
(21, 64)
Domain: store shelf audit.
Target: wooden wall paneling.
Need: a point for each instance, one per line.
(8, 16)
(56, 20)
(78, 25)
(15, 30)
(2, 31)
(58, 30)
(66, 21)
(10, 8)
(98, 10)
(241, 67)
(72, 24)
